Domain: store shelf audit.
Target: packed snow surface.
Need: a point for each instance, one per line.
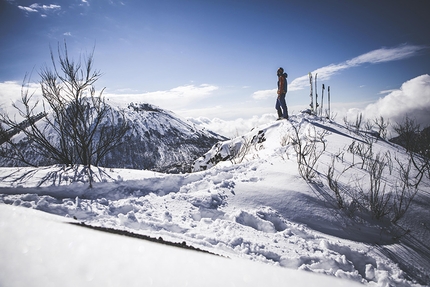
(255, 207)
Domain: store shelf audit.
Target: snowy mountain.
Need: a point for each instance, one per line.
(248, 199)
(156, 140)
(159, 140)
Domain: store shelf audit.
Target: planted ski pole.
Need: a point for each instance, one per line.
(316, 95)
(311, 94)
(328, 90)
(322, 101)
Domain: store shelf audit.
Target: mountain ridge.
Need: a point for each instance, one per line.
(156, 140)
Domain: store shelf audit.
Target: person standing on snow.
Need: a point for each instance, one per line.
(281, 105)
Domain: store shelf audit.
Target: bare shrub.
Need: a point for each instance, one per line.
(308, 150)
(356, 125)
(241, 149)
(78, 126)
(345, 197)
(416, 142)
(378, 197)
(363, 150)
(373, 192)
(405, 191)
(333, 183)
(382, 126)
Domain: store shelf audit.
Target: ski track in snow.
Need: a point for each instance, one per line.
(260, 209)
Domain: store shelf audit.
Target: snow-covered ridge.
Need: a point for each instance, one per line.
(256, 206)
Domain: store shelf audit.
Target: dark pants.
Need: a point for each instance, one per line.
(280, 103)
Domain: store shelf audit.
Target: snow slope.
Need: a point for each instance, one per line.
(256, 208)
(42, 250)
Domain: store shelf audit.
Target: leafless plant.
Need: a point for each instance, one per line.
(78, 127)
(239, 150)
(378, 197)
(344, 195)
(333, 183)
(405, 191)
(354, 126)
(363, 150)
(307, 151)
(382, 126)
(417, 146)
(368, 126)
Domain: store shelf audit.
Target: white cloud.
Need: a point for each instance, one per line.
(233, 128)
(387, 91)
(10, 93)
(373, 57)
(228, 111)
(84, 2)
(45, 7)
(264, 94)
(36, 8)
(173, 99)
(412, 100)
(385, 55)
(27, 9)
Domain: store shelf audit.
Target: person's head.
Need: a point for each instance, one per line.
(280, 71)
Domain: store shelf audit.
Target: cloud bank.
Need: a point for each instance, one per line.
(233, 128)
(412, 100)
(263, 94)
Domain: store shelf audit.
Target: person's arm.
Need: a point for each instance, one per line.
(281, 84)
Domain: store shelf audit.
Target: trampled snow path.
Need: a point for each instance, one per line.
(259, 209)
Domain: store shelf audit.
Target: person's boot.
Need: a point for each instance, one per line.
(279, 114)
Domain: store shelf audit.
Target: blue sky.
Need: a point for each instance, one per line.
(218, 59)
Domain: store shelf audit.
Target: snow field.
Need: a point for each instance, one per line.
(258, 209)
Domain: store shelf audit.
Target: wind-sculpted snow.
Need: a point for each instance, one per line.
(258, 209)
